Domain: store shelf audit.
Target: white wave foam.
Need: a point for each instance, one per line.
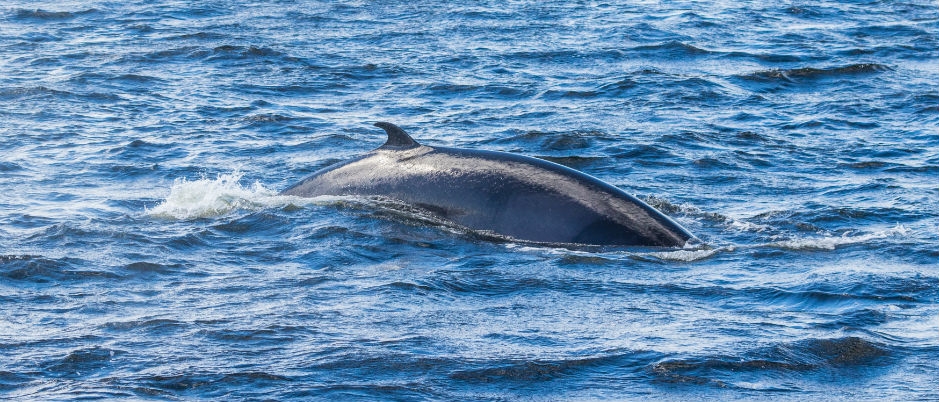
(744, 226)
(686, 255)
(206, 198)
(832, 242)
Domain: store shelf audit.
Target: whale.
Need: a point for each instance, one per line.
(503, 194)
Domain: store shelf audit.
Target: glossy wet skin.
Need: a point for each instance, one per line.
(513, 195)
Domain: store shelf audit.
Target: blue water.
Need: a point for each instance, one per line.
(146, 255)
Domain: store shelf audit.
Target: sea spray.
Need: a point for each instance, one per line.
(205, 198)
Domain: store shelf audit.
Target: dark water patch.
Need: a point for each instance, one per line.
(13, 380)
(722, 163)
(574, 260)
(840, 352)
(648, 155)
(488, 91)
(811, 73)
(554, 94)
(671, 49)
(699, 90)
(7, 167)
(485, 283)
(65, 233)
(842, 357)
(137, 79)
(138, 147)
(33, 39)
(913, 33)
(556, 140)
(523, 339)
(213, 385)
(523, 372)
(928, 169)
(260, 223)
(82, 362)
(868, 165)
(147, 268)
(190, 241)
(861, 318)
(23, 93)
(161, 326)
(535, 371)
(619, 87)
(45, 15)
(39, 269)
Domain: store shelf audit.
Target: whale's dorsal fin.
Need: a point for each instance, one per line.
(397, 138)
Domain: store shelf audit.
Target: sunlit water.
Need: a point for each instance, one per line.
(145, 252)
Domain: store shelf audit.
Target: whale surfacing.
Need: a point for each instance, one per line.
(517, 196)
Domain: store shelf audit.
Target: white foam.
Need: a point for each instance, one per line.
(744, 226)
(832, 242)
(686, 255)
(204, 198)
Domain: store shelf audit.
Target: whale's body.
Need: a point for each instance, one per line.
(507, 194)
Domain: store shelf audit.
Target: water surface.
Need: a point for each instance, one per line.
(146, 255)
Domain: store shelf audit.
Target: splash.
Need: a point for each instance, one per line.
(205, 198)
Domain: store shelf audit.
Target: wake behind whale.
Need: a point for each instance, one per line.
(507, 194)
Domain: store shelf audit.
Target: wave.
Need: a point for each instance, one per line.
(810, 73)
(42, 269)
(852, 353)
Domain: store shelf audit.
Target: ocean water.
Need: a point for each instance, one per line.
(145, 253)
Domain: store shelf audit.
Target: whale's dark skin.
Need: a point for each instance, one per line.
(512, 195)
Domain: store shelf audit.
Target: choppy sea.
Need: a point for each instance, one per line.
(145, 253)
